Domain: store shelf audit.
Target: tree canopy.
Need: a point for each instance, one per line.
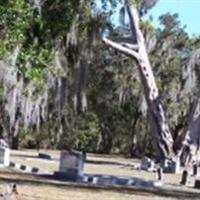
(61, 86)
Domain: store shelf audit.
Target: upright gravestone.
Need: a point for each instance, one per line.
(71, 165)
(170, 166)
(159, 174)
(147, 164)
(197, 184)
(195, 170)
(175, 167)
(184, 178)
(4, 157)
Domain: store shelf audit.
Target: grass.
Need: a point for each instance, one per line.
(27, 191)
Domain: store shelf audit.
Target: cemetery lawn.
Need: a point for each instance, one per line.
(98, 164)
(37, 192)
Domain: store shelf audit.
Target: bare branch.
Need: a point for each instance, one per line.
(121, 48)
(130, 46)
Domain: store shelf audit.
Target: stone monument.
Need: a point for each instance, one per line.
(147, 164)
(159, 174)
(170, 166)
(71, 165)
(195, 170)
(184, 178)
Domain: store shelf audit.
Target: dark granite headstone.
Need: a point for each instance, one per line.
(159, 174)
(170, 166)
(44, 156)
(195, 170)
(71, 165)
(197, 184)
(184, 178)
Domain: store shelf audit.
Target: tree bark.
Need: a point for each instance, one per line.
(191, 143)
(15, 135)
(158, 121)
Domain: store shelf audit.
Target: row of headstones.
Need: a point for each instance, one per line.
(168, 166)
(71, 169)
(72, 162)
(171, 167)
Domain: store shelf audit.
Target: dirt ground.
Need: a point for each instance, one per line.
(99, 164)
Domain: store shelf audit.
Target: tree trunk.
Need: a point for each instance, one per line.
(158, 121)
(107, 140)
(190, 146)
(134, 149)
(81, 99)
(15, 135)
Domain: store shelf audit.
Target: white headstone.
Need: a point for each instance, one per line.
(4, 157)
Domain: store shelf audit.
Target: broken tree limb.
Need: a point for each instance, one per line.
(130, 46)
(120, 48)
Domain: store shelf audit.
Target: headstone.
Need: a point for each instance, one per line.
(44, 156)
(90, 179)
(195, 170)
(84, 155)
(157, 183)
(71, 165)
(159, 174)
(170, 166)
(4, 157)
(175, 165)
(85, 179)
(130, 182)
(147, 164)
(197, 184)
(184, 178)
(95, 180)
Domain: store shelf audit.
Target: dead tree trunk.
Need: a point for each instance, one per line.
(158, 121)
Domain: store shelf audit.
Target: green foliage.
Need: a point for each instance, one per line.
(110, 81)
(16, 16)
(2, 97)
(60, 13)
(86, 133)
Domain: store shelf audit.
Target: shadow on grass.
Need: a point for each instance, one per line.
(100, 162)
(49, 180)
(95, 162)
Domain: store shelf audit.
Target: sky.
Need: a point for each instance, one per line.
(188, 11)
